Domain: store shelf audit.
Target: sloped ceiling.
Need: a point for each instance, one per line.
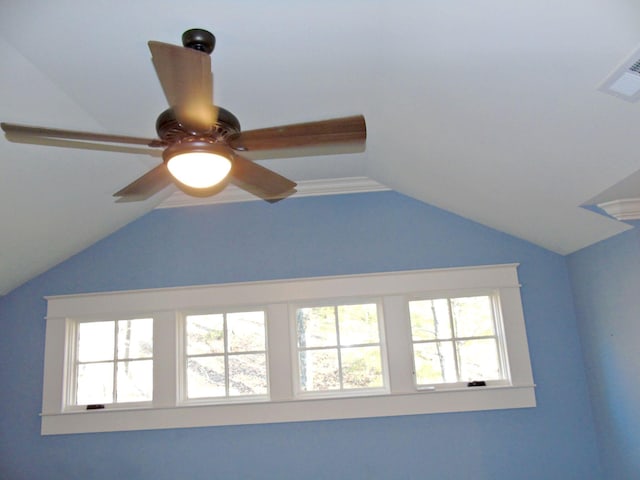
(490, 109)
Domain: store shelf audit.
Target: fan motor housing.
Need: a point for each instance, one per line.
(171, 130)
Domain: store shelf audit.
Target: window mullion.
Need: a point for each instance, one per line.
(167, 382)
(397, 334)
(280, 354)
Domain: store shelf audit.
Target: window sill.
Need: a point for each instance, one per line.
(415, 403)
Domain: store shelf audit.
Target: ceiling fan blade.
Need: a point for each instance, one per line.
(43, 132)
(148, 184)
(260, 181)
(187, 81)
(347, 130)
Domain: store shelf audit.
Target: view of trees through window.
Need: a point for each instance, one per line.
(455, 340)
(226, 355)
(339, 347)
(114, 361)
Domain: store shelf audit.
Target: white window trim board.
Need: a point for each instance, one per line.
(394, 288)
(488, 398)
(282, 291)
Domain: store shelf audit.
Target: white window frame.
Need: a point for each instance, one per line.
(494, 297)
(182, 358)
(348, 392)
(166, 306)
(70, 391)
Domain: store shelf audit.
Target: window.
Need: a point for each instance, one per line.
(226, 355)
(383, 344)
(456, 340)
(113, 362)
(339, 348)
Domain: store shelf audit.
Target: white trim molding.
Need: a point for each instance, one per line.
(60, 415)
(623, 209)
(308, 188)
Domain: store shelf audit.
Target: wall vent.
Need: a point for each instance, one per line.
(624, 82)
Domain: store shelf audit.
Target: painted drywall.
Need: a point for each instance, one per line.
(299, 238)
(606, 284)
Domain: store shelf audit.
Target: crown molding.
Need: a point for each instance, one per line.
(623, 209)
(308, 188)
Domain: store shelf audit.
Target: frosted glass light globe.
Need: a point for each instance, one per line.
(199, 169)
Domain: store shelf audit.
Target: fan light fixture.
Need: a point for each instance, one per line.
(198, 163)
(204, 147)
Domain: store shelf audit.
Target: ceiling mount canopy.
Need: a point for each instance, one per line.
(203, 143)
(199, 39)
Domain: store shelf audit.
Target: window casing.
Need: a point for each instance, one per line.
(172, 405)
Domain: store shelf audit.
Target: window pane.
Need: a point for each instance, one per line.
(134, 381)
(473, 316)
(248, 374)
(316, 327)
(479, 360)
(95, 383)
(95, 341)
(246, 331)
(434, 362)
(205, 334)
(135, 338)
(430, 319)
(319, 370)
(358, 324)
(361, 367)
(205, 377)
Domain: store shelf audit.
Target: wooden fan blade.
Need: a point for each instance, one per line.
(43, 132)
(347, 130)
(148, 184)
(260, 181)
(187, 81)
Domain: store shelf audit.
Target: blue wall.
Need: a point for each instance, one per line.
(606, 285)
(297, 238)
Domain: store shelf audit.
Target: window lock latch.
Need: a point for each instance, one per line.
(479, 383)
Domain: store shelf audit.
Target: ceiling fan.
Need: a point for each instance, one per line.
(203, 143)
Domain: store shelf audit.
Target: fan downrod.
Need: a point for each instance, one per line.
(199, 39)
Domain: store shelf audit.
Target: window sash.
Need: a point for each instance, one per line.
(75, 364)
(184, 356)
(454, 339)
(341, 390)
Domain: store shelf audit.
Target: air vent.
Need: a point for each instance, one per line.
(624, 82)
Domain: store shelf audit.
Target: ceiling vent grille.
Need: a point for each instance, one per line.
(624, 82)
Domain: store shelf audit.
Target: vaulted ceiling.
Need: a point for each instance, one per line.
(490, 110)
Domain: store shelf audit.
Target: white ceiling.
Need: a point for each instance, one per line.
(487, 109)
